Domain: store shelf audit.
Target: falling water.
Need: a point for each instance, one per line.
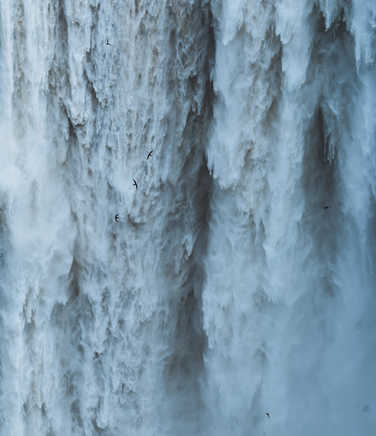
(235, 293)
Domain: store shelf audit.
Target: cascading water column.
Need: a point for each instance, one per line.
(103, 328)
(289, 292)
(351, 387)
(36, 222)
(100, 323)
(238, 314)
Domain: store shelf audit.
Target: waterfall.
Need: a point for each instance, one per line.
(223, 284)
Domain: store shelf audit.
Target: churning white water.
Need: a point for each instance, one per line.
(235, 292)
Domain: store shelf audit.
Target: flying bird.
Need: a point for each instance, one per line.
(108, 42)
(267, 414)
(116, 218)
(149, 154)
(135, 183)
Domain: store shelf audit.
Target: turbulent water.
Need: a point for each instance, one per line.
(235, 293)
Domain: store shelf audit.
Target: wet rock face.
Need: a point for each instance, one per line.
(222, 284)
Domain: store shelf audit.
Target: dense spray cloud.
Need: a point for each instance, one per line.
(187, 215)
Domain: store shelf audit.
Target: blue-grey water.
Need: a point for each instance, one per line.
(239, 278)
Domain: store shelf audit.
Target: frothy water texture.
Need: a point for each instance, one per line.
(234, 293)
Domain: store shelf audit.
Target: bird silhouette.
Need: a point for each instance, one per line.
(116, 218)
(267, 414)
(135, 183)
(149, 154)
(108, 42)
